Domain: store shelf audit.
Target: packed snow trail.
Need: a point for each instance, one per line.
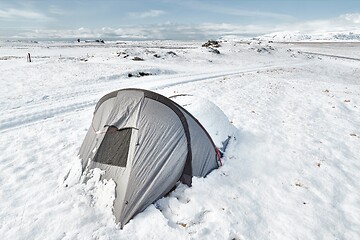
(332, 56)
(68, 103)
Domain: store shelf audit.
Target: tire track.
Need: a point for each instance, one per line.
(18, 120)
(333, 56)
(15, 118)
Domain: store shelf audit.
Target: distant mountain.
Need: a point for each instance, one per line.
(299, 37)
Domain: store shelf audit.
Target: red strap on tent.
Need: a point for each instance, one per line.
(218, 154)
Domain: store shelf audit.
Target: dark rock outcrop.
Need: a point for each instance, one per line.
(211, 43)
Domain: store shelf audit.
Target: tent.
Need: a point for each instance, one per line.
(146, 143)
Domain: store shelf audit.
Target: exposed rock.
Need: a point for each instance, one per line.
(171, 53)
(137, 59)
(139, 74)
(97, 41)
(121, 53)
(259, 50)
(144, 74)
(213, 50)
(211, 43)
(9, 57)
(267, 49)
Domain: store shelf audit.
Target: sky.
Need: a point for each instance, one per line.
(173, 19)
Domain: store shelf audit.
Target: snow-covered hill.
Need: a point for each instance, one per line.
(298, 36)
(290, 172)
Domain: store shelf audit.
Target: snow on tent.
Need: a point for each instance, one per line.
(145, 143)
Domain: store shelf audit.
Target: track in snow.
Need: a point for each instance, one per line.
(67, 103)
(333, 56)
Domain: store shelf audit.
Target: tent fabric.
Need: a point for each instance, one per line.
(146, 143)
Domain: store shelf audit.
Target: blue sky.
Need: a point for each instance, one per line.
(170, 19)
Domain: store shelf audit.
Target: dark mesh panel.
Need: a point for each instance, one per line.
(114, 148)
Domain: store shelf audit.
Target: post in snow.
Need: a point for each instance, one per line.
(28, 57)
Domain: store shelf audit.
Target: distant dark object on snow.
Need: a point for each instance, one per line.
(259, 50)
(8, 58)
(137, 59)
(265, 49)
(78, 40)
(97, 41)
(213, 50)
(139, 74)
(171, 53)
(211, 43)
(123, 54)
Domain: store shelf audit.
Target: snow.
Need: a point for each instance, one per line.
(296, 36)
(290, 171)
(209, 115)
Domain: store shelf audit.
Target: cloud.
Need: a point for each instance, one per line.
(245, 13)
(217, 9)
(57, 10)
(148, 14)
(351, 17)
(344, 23)
(157, 31)
(11, 14)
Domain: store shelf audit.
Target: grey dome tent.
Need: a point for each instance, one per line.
(146, 143)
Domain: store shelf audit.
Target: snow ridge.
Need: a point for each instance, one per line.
(299, 37)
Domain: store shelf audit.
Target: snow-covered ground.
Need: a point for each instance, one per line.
(297, 36)
(291, 171)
